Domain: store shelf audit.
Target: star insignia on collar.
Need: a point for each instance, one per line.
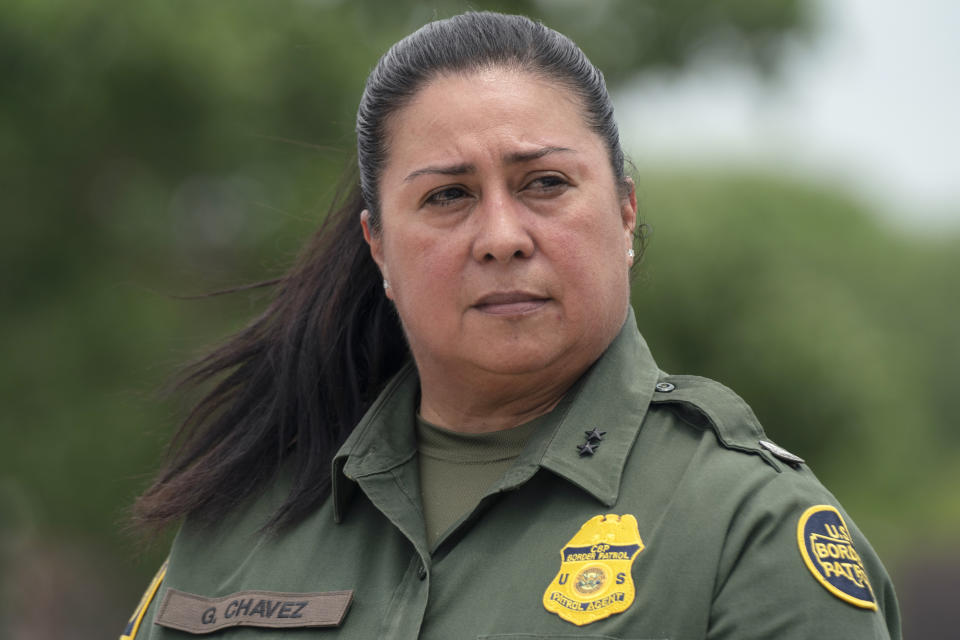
(596, 435)
(587, 448)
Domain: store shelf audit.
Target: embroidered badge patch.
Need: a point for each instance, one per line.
(594, 580)
(827, 549)
(130, 631)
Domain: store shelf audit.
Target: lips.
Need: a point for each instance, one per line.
(510, 303)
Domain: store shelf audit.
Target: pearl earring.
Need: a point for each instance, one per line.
(386, 285)
(630, 253)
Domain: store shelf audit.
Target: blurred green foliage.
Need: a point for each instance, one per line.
(158, 149)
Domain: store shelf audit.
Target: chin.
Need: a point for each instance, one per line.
(517, 360)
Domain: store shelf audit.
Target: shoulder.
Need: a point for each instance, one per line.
(146, 600)
(758, 516)
(707, 405)
(700, 443)
(711, 449)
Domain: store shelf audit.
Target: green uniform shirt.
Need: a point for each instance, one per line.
(457, 468)
(730, 541)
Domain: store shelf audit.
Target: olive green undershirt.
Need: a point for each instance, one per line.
(456, 469)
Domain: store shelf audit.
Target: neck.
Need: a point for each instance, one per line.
(476, 399)
(475, 406)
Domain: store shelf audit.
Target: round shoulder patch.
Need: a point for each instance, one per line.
(827, 549)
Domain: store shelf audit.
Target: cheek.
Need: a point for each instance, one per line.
(422, 269)
(592, 247)
(591, 262)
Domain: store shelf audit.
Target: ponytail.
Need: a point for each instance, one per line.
(287, 389)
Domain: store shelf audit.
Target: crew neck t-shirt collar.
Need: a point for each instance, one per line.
(456, 446)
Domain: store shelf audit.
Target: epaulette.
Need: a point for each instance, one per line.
(707, 403)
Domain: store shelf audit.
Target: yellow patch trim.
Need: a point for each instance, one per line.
(595, 581)
(838, 557)
(133, 625)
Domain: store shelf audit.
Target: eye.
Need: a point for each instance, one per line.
(548, 184)
(446, 196)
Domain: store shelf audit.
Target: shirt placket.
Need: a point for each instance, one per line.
(395, 494)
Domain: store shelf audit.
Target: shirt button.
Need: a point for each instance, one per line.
(421, 571)
(665, 387)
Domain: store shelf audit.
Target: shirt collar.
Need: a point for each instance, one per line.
(383, 439)
(612, 396)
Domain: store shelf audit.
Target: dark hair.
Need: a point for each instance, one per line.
(289, 388)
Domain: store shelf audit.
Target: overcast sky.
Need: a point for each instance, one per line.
(872, 103)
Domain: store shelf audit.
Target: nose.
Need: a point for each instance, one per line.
(501, 233)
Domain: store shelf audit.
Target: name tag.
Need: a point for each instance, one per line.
(196, 614)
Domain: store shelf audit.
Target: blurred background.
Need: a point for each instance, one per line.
(796, 162)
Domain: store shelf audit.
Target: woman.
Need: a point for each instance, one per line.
(507, 461)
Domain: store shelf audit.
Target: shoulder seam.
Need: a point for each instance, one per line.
(733, 421)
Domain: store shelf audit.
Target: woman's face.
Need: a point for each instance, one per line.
(503, 235)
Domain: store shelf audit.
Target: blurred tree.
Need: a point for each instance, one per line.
(177, 147)
(144, 145)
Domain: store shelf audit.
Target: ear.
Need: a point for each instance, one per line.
(628, 212)
(374, 241)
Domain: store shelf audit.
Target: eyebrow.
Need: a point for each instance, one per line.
(527, 156)
(463, 168)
